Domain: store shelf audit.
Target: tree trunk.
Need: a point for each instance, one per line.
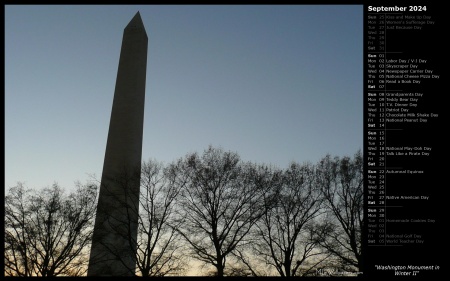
(220, 266)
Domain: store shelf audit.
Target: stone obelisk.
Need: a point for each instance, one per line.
(113, 248)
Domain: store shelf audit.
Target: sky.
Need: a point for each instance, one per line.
(275, 84)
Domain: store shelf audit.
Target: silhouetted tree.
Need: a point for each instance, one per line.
(117, 214)
(250, 262)
(158, 245)
(47, 232)
(218, 202)
(341, 183)
(286, 232)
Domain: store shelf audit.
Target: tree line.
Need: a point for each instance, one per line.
(236, 218)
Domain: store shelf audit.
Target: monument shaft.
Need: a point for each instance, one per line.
(113, 248)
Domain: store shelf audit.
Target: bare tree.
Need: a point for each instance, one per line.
(218, 202)
(158, 245)
(46, 232)
(341, 183)
(286, 233)
(250, 262)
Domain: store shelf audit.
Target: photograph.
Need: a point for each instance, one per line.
(201, 140)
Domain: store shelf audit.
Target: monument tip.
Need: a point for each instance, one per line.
(136, 21)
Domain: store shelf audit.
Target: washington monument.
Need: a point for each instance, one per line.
(114, 240)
